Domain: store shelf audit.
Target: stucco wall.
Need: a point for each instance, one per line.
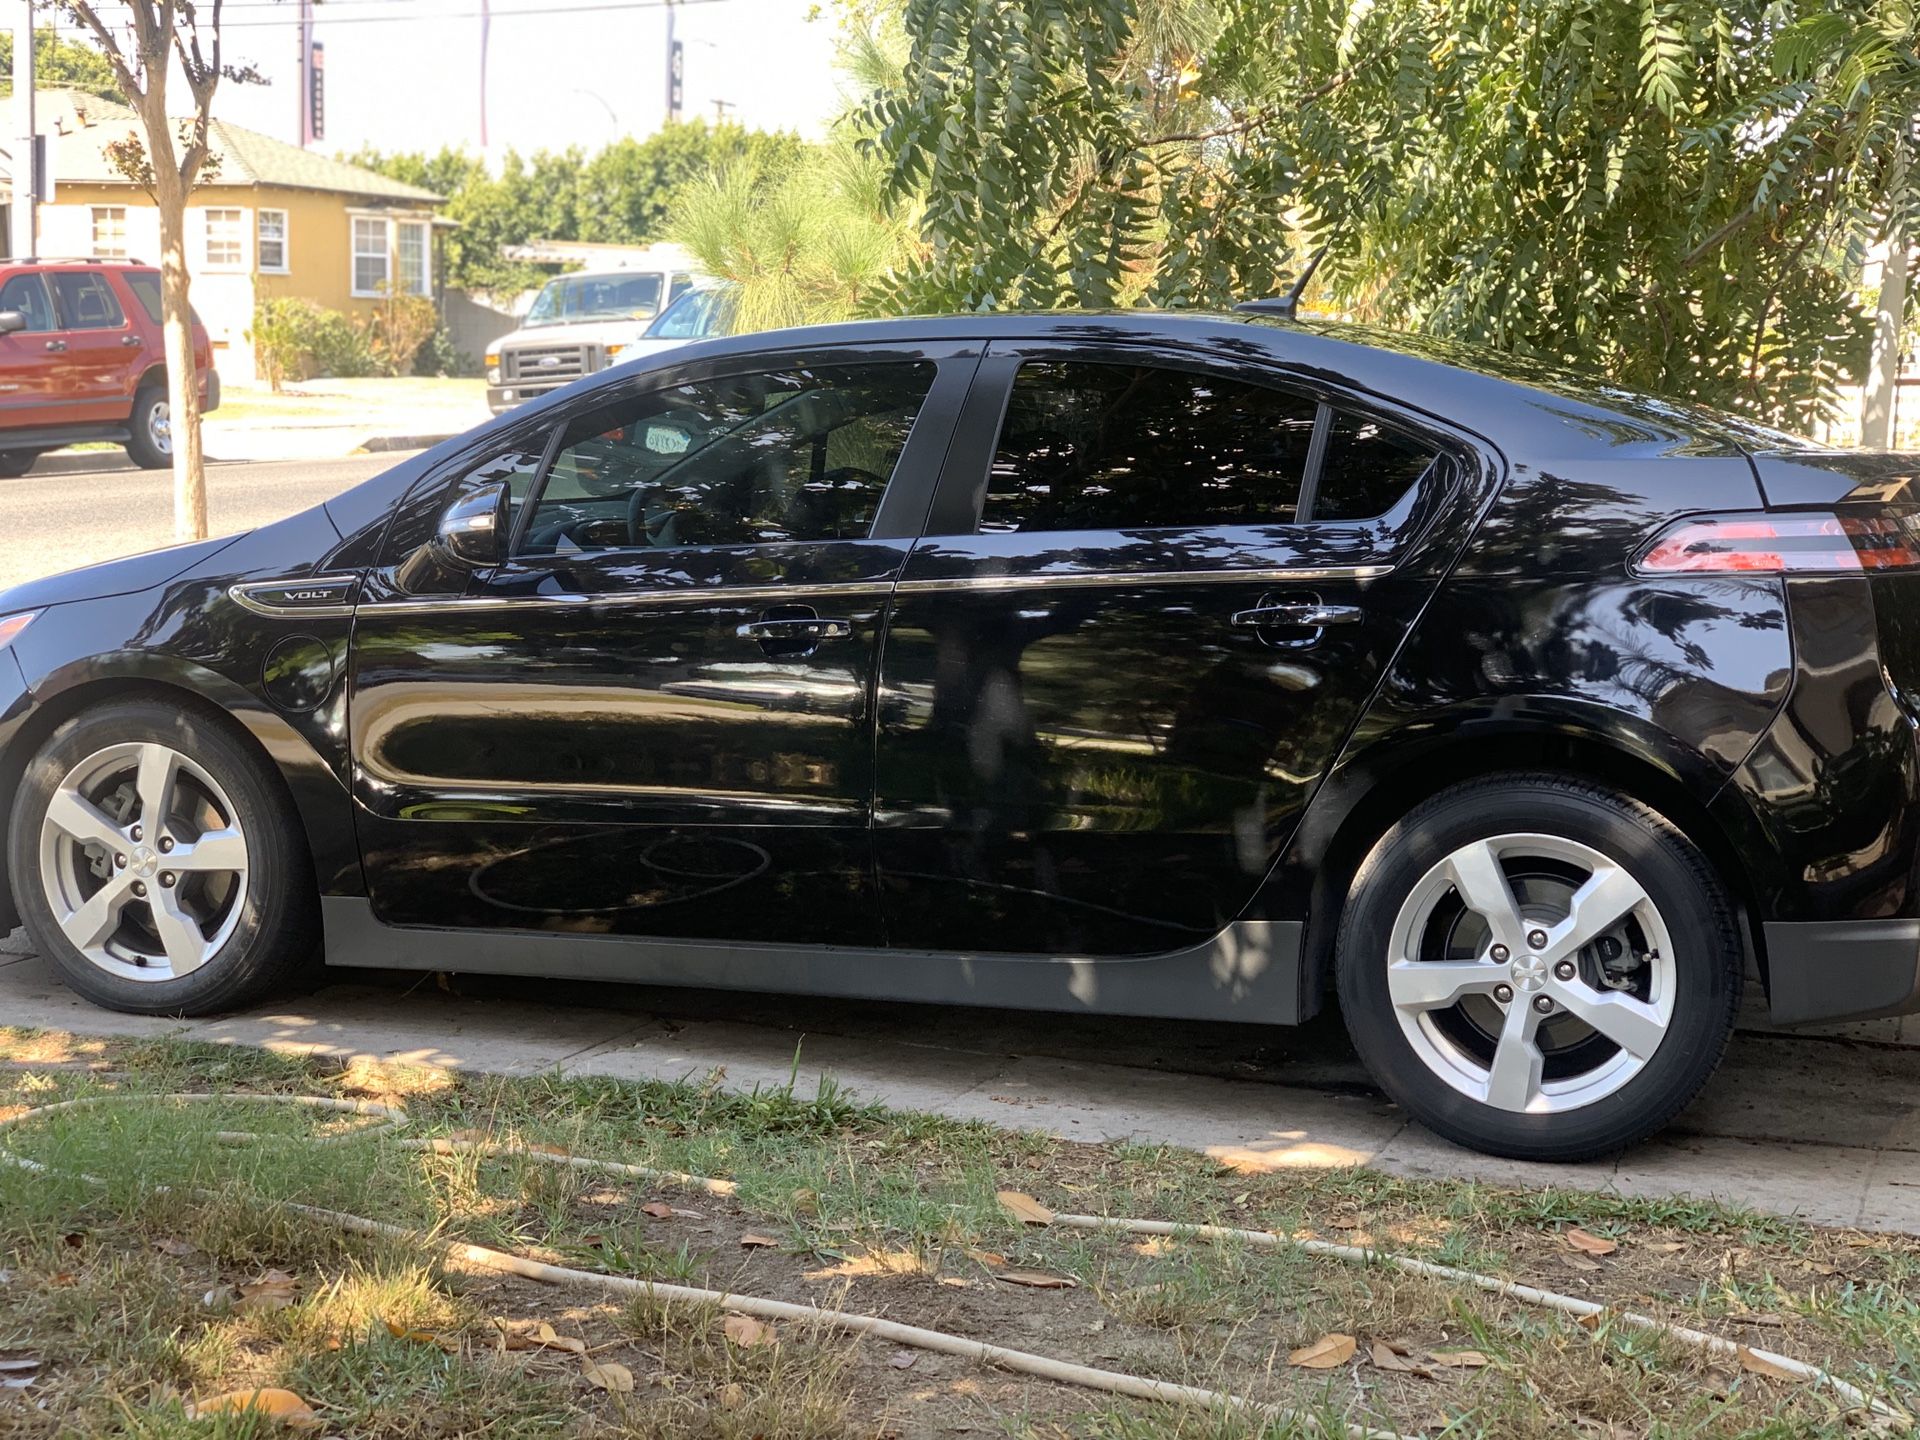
(319, 252)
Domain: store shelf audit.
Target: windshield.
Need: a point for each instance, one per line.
(596, 297)
(693, 316)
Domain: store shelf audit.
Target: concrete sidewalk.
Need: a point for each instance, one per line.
(1825, 1129)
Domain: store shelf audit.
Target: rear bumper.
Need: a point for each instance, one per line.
(210, 391)
(1821, 971)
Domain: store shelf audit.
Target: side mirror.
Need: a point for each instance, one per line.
(473, 532)
(12, 320)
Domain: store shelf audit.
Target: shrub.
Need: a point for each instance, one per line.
(298, 339)
(401, 325)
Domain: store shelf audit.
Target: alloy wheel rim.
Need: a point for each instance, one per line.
(143, 861)
(160, 427)
(1532, 973)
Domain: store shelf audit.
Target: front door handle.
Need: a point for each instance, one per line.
(56, 344)
(797, 627)
(1307, 614)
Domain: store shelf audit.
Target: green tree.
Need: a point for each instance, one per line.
(67, 64)
(1668, 191)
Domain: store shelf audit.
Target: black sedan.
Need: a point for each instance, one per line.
(1147, 665)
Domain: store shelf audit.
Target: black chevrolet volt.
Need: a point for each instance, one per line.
(1153, 665)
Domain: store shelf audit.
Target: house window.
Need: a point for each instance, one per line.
(371, 262)
(272, 236)
(413, 251)
(110, 232)
(224, 237)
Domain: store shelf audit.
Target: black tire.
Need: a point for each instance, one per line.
(142, 448)
(1707, 962)
(276, 927)
(15, 463)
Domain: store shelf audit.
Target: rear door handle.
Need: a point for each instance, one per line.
(1307, 614)
(132, 342)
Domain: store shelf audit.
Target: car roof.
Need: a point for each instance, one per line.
(1506, 399)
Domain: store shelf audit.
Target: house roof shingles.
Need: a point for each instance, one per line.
(81, 126)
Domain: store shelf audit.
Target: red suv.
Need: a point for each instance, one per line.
(81, 358)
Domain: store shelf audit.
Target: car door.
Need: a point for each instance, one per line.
(1155, 593)
(27, 363)
(101, 348)
(656, 718)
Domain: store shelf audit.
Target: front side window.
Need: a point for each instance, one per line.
(1097, 446)
(371, 262)
(110, 232)
(413, 247)
(223, 237)
(85, 301)
(28, 295)
(272, 239)
(784, 455)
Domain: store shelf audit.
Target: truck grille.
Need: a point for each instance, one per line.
(550, 364)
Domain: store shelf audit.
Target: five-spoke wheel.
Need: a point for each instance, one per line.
(1538, 967)
(155, 856)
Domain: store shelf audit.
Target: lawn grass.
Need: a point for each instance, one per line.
(139, 1291)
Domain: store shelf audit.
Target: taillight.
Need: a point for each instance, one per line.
(1804, 543)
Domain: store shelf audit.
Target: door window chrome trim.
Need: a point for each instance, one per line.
(1089, 578)
(743, 594)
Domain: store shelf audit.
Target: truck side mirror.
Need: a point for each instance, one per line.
(12, 320)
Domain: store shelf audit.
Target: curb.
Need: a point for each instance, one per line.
(75, 463)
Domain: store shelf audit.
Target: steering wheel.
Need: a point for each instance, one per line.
(649, 522)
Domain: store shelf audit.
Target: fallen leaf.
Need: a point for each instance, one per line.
(274, 1290)
(177, 1248)
(61, 1280)
(956, 1282)
(1666, 1247)
(1386, 1356)
(74, 1239)
(1458, 1359)
(1589, 1322)
(1758, 1362)
(546, 1335)
(1589, 1244)
(1580, 1262)
(616, 1379)
(1025, 1208)
(732, 1395)
(658, 1209)
(537, 1148)
(991, 1258)
(744, 1330)
(1325, 1353)
(1037, 1279)
(412, 1336)
(1817, 1268)
(806, 1201)
(282, 1405)
(592, 1242)
(1719, 1381)
(903, 1359)
(751, 1241)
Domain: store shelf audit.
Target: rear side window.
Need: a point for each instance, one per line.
(789, 454)
(1366, 469)
(28, 295)
(145, 285)
(1095, 446)
(85, 301)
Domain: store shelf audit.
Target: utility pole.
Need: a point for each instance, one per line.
(26, 182)
(676, 70)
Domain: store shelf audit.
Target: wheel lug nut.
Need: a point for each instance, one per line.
(1537, 939)
(136, 832)
(1564, 970)
(120, 862)
(166, 880)
(1500, 953)
(139, 889)
(1543, 1004)
(1503, 993)
(166, 846)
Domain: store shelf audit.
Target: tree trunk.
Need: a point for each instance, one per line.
(1883, 365)
(183, 387)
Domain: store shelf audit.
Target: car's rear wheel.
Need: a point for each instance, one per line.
(15, 463)
(1539, 967)
(156, 864)
(150, 430)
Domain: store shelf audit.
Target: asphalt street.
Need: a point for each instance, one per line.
(56, 521)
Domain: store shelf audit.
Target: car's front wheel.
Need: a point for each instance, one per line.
(1539, 967)
(15, 463)
(155, 863)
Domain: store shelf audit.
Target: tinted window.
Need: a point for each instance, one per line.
(145, 285)
(1089, 446)
(85, 301)
(688, 318)
(28, 295)
(1366, 470)
(795, 454)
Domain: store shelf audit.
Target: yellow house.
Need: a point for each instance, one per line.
(274, 220)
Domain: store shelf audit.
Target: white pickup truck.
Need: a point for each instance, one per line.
(578, 324)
